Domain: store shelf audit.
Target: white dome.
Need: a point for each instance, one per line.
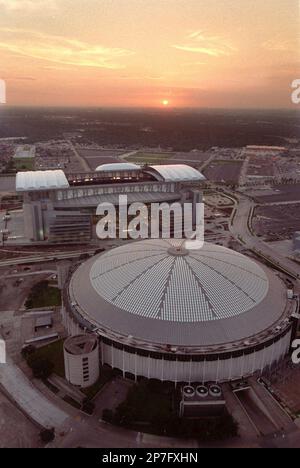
(150, 291)
(118, 167)
(177, 173)
(151, 280)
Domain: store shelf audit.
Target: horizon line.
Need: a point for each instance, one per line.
(150, 108)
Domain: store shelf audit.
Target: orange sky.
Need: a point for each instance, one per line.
(193, 53)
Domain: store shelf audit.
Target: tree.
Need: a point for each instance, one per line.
(88, 407)
(28, 350)
(47, 435)
(108, 415)
(41, 368)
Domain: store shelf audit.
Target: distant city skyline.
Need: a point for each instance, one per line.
(140, 53)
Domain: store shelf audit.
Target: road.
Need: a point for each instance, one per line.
(124, 156)
(28, 273)
(207, 162)
(28, 398)
(243, 173)
(263, 424)
(240, 230)
(81, 160)
(43, 258)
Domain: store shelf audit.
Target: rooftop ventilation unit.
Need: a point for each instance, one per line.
(202, 391)
(215, 391)
(188, 391)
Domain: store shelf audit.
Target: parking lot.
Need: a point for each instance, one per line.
(7, 184)
(96, 157)
(277, 222)
(281, 193)
(261, 166)
(112, 395)
(224, 171)
(15, 428)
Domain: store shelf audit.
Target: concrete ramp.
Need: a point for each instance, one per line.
(30, 400)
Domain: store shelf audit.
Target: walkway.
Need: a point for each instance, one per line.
(19, 388)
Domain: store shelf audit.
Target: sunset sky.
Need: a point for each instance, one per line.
(188, 53)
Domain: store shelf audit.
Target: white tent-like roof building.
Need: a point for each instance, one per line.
(41, 180)
(177, 173)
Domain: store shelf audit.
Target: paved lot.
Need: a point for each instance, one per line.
(13, 295)
(15, 226)
(246, 429)
(285, 247)
(15, 428)
(288, 389)
(112, 395)
(7, 184)
(239, 229)
(224, 171)
(281, 193)
(277, 222)
(260, 167)
(95, 157)
(193, 156)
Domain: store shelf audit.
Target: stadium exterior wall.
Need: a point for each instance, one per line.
(222, 367)
(215, 368)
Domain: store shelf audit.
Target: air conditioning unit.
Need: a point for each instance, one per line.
(202, 391)
(215, 391)
(188, 391)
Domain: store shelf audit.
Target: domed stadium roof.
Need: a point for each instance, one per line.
(156, 281)
(156, 290)
(118, 167)
(176, 173)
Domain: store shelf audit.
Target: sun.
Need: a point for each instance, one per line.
(165, 102)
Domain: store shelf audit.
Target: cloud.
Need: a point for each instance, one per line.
(284, 45)
(20, 78)
(197, 63)
(201, 43)
(61, 50)
(200, 50)
(141, 77)
(57, 67)
(28, 5)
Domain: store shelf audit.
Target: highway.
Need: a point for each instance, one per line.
(43, 258)
(29, 273)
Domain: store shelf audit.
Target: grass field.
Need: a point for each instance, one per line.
(43, 295)
(24, 164)
(54, 353)
(152, 158)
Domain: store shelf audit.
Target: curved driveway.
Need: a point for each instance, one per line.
(239, 229)
(28, 398)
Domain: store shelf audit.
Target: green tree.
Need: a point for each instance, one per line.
(47, 435)
(41, 368)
